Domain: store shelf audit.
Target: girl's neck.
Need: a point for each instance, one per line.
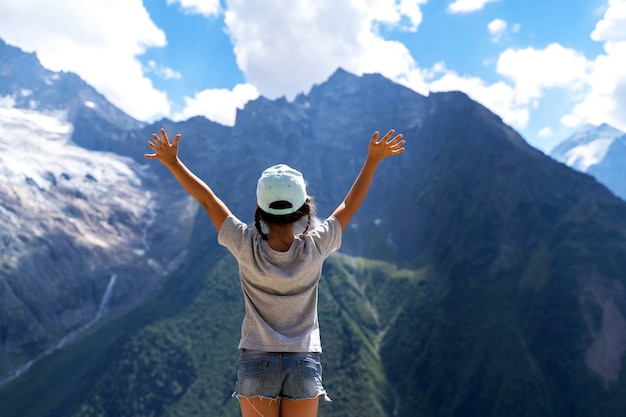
(280, 237)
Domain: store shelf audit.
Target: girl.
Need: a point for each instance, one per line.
(279, 372)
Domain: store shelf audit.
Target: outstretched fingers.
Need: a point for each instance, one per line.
(163, 149)
(396, 145)
(374, 139)
(151, 155)
(387, 146)
(388, 135)
(175, 142)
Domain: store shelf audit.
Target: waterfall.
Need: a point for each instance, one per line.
(104, 303)
(102, 308)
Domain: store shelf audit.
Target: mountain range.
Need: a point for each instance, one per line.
(480, 278)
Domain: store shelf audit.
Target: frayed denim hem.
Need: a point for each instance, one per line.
(323, 395)
(239, 397)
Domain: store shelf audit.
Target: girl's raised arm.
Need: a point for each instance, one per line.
(167, 153)
(389, 145)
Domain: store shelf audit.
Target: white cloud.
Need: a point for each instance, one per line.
(203, 7)
(411, 9)
(402, 14)
(569, 120)
(497, 29)
(73, 35)
(612, 28)
(546, 132)
(606, 100)
(163, 71)
(284, 48)
(534, 70)
(391, 59)
(467, 6)
(7, 102)
(416, 80)
(218, 105)
(530, 72)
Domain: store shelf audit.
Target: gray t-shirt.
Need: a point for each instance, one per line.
(280, 289)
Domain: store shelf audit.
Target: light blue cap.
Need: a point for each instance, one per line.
(280, 183)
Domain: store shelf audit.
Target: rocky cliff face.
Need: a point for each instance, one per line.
(64, 232)
(70, 218)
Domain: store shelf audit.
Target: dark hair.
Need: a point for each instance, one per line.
(307, 209)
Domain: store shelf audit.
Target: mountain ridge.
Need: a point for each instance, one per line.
(44, 90)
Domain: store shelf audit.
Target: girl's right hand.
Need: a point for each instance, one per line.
(164, 151)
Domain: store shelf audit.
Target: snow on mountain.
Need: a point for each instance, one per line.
(599, 151)
(587, 147)
(583, 156)
(41, 169)
(27, 132)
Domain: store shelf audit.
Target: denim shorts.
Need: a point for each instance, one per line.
(274, 375)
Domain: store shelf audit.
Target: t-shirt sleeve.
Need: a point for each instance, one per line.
(328, 236)
(233, 234)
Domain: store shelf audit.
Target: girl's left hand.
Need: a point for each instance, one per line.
(389, 145)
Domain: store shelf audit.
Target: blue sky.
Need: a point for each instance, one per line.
(547, 67)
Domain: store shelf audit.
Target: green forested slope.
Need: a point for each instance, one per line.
(176, 355)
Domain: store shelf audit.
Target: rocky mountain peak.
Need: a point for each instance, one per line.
(31, 86)
(599, 151)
